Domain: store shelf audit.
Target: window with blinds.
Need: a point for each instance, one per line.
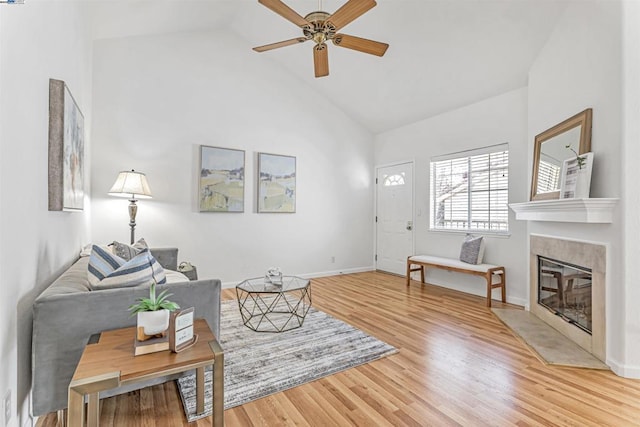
(470, 190)
(548, 176)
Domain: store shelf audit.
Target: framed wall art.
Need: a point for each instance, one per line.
(276, 183)
(221, 179)
(66, 150)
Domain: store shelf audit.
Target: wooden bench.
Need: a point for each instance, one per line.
(485, 270)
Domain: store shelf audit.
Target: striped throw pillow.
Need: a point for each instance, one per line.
(107, 270)
(127, 252)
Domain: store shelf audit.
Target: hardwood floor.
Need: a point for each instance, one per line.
(457, 365)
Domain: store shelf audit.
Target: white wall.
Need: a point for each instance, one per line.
(38, 40)
(493, 121)
(631, 177)
(581, 67)
(157, 98)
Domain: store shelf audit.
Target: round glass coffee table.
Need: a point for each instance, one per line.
(266, 307)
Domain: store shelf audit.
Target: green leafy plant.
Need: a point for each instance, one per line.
(581, 160)
(154, 302)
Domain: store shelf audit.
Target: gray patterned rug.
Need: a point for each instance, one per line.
(259, 364)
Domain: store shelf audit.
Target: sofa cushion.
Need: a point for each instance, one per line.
(175, 276)
(107, 270)
(127, 252)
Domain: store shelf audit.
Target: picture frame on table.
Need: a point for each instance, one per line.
(181, 334)
(575, 180)
(66, 149)
(276, 183)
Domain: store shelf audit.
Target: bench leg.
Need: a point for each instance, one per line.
(504, 285)
(411, 270)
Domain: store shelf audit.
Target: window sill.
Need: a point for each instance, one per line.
(496, 234)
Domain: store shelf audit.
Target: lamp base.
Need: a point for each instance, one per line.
(133, 210)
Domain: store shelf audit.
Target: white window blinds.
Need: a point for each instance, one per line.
(470, 190)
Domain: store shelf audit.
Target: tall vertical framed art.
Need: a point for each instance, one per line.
(221, 179)
(276, 183)
(66, 150)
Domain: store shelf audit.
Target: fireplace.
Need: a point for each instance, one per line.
(567, 289)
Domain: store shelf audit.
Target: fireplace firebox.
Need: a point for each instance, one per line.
(565, 290)
(570, 295)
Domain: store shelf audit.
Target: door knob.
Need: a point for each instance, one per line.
(409, 225)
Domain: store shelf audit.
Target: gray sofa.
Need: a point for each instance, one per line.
(68, 312)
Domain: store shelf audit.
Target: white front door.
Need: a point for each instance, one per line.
(394, 217)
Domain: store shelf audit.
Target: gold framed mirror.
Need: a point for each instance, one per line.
(550, 150)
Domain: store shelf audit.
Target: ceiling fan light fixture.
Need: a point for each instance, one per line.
(318, 30)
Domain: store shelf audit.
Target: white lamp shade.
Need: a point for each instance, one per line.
(131, 184)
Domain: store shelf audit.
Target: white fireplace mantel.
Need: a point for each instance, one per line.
(566, 210)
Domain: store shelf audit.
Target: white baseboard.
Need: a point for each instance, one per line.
(518, 301)
(622, 370)
(227, 285)
(338, 272)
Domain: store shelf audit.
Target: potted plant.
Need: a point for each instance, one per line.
(153, 313)
(580, 159)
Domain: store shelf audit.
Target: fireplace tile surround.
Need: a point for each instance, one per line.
(587, 254)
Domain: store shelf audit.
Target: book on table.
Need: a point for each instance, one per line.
(152, 345)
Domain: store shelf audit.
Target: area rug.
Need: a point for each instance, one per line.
(259, 364)
(547, 343)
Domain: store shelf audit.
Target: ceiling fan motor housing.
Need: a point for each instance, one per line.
(321, 26)
(320, 30)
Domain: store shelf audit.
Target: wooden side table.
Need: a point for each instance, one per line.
(110, 363)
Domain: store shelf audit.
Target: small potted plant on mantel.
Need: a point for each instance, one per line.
(153, 313)
(580, 159)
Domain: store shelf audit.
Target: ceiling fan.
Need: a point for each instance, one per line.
(321, 26)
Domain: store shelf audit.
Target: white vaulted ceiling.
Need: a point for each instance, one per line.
(443, 54)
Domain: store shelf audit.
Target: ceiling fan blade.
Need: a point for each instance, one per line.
(279, 44)
(321, 60)
(285, 11)
(350, 11)
(362, 45)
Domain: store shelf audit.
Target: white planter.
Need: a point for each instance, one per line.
(154, 322)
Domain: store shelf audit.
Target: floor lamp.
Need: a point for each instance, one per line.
(131, 184)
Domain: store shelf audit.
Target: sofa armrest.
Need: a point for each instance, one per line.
(167, 257)
(63, 323)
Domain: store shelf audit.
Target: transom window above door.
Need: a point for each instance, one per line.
(392, 180)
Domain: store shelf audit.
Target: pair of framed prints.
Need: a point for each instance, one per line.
(222, 181)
